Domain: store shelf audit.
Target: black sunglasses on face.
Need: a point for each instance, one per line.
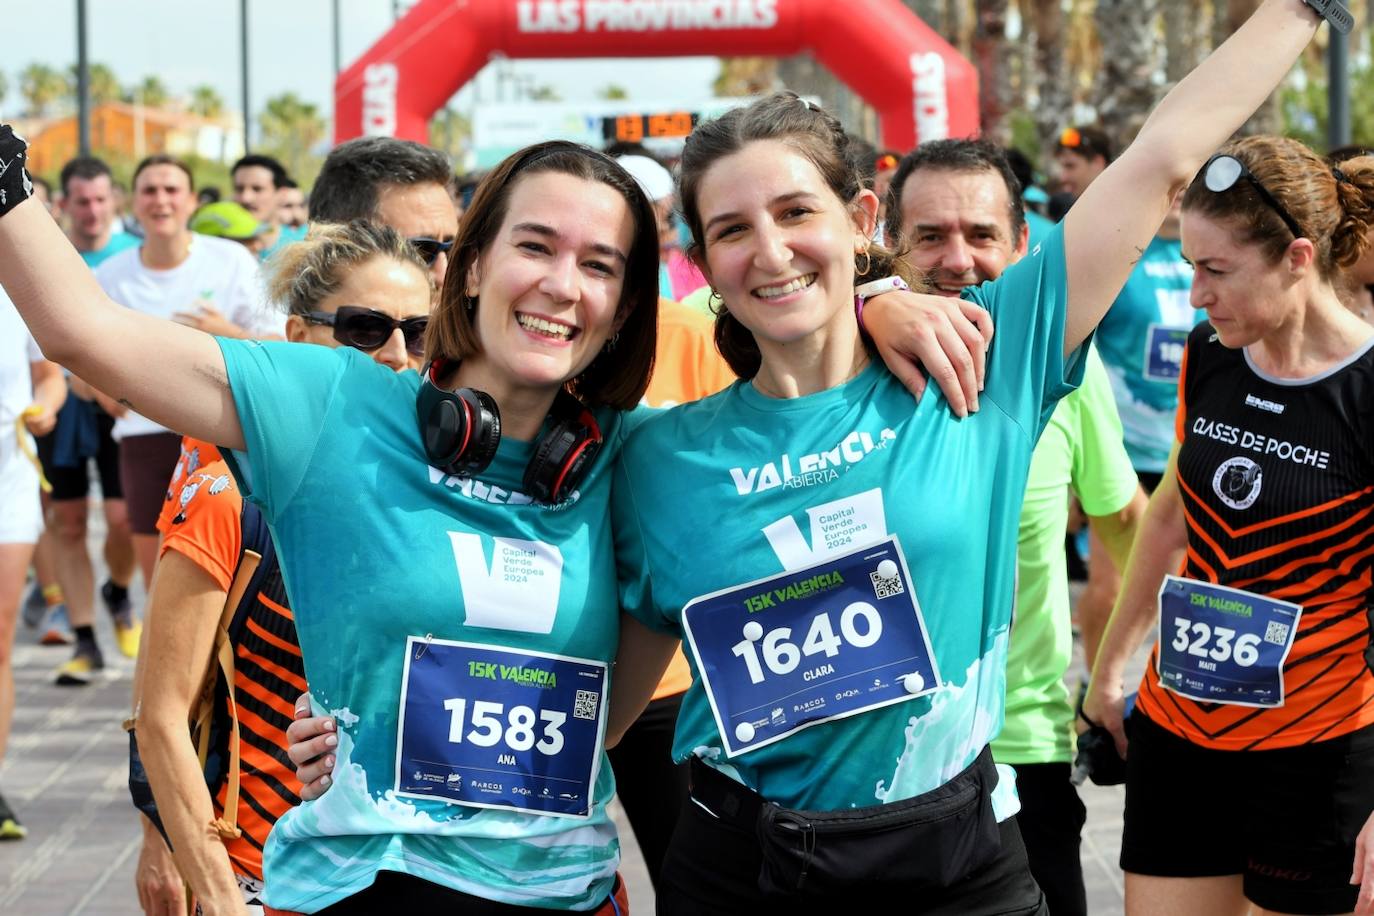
(367, 329)
(429, 249)
(1221, 174)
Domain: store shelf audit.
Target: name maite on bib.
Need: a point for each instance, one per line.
(1223, 645)
(835, 639)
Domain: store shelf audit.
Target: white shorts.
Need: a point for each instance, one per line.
(21, 515)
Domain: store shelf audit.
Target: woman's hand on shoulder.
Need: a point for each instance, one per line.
(937, 337)
(311, 744)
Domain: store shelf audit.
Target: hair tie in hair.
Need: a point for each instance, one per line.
(1340, 176)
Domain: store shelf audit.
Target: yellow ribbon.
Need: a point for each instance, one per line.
(21, 433)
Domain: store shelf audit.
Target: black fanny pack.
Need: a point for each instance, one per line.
(934, 840)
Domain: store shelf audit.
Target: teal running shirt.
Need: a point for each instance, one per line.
(119, 241)
(1141, 342)
(375, 547)
(739, 487)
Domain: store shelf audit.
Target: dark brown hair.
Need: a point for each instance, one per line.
(815, 135)
(1335, 216)
(164, 159)
(618, 376)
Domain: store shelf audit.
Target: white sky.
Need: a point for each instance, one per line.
(189, 42)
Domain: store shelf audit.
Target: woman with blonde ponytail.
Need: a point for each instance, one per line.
(1251, 764)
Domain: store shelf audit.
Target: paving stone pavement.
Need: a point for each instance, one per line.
(65, 775)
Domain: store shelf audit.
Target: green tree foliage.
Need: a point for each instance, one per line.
(1304, 102)
(104, 84)
(291, 130)
(42, 88)
(611, 92)
(152, 92)
(206, 102)
(450, 131)
(544, 94)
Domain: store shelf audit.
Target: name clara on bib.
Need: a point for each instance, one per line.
(490, 727)
(835, 639)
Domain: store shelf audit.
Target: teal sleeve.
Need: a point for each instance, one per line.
(283, 393)
(1102, 474)
(1026, 370)
(631, 552)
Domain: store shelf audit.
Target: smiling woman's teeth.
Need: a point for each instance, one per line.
(547, 328)
(773, 292)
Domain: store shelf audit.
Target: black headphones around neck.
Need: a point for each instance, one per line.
(462, 429)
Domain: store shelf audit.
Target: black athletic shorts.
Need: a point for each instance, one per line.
(1150, 480)
(73, 480)
(1285, 819)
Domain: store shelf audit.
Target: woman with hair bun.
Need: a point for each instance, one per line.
(1251, 764)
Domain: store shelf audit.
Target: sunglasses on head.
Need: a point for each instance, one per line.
(429, 249)
(1223, 171)
(367, 329)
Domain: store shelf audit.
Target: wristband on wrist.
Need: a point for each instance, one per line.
(15, 186)
(873, 288)
(1334, 12)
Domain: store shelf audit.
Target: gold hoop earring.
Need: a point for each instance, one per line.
(868, 263)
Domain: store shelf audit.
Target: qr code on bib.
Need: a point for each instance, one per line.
(584, 705)
(1276, 633)
(886, 587)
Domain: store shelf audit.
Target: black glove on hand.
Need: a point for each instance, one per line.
(15, 186)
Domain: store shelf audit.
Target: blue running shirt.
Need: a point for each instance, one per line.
(1142, 332)
(375, 546)
(740, 486)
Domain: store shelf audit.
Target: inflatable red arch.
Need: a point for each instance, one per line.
(920, 86)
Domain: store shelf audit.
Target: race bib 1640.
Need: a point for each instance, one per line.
(835, 639)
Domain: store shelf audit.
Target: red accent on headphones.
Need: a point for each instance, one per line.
(461, 431)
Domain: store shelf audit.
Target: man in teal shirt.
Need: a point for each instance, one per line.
(88, 202)
(955, 205)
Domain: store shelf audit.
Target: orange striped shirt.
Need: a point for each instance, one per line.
(1277, 482)
(203, 523)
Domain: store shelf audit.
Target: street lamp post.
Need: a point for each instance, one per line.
(83, 82)
(243, 69)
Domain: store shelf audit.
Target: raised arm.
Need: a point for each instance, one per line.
(1114, 220)
(169, 373)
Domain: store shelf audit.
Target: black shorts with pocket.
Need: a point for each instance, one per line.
(1285, 819)
(72, 481)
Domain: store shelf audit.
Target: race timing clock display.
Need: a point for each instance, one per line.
(634, 128)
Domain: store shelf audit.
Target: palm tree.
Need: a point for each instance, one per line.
(1049, 69)
(450, 131)
(104, 84)
(152, 92)
(42, 87)
(1125, 90)
(992, 57)
(206, 102)
(291, 128)
(4, 85)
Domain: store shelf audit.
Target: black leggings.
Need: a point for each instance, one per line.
(712, 869)
(650, 786)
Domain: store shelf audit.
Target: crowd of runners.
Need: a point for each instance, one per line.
(604, 479)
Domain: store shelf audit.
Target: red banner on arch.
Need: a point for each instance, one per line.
(921, 87)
